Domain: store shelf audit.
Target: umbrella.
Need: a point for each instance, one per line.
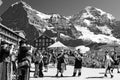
(57, 44)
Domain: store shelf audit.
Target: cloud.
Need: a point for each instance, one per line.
(1, 2)
(83, 49)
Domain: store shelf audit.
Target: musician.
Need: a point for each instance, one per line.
(24, 60)
(54, 58)
(14, 59)
(46, 60)
(78, 63)
(60, 63)
(38, 59)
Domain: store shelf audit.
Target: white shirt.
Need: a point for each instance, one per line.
(108, 57)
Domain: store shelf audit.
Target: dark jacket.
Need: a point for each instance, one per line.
(78, 61)
(24, 57)
(4, 53)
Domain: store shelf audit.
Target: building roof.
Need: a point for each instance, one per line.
(57, 44)
(3, 26)
(41, 36)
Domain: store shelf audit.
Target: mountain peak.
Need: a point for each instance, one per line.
(91, 8)
(27, 7)
(100, 12)
(20, 2)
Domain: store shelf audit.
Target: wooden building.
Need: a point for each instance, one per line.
(43, 42)
(9, 35)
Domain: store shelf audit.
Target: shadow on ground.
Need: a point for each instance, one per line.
(95, 77)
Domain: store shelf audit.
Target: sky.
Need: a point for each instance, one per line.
(68, 7)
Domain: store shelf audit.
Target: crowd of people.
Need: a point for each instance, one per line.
(42, 59)
(17, 60)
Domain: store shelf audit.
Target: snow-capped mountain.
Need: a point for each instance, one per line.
(95, 19)
(89, 25)
(95, 25)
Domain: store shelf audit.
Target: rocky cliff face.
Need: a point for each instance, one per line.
(15, 17)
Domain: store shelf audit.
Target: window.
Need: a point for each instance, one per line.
(6, 32)
(3, 37)
(50, 43)
(43, 37)
(36, 41)
(39, 40)
(15, 36)
(50, 40)
(46, 44)
(43, 44)
(47, 40)
(0, 29)
(3, 30)
(43, 40)
(36, 44)
(43, 48)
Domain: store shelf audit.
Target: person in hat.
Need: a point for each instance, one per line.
(108, 64)
(78, 63)
(24, 60)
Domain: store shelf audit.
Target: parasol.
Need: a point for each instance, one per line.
(58, 44)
